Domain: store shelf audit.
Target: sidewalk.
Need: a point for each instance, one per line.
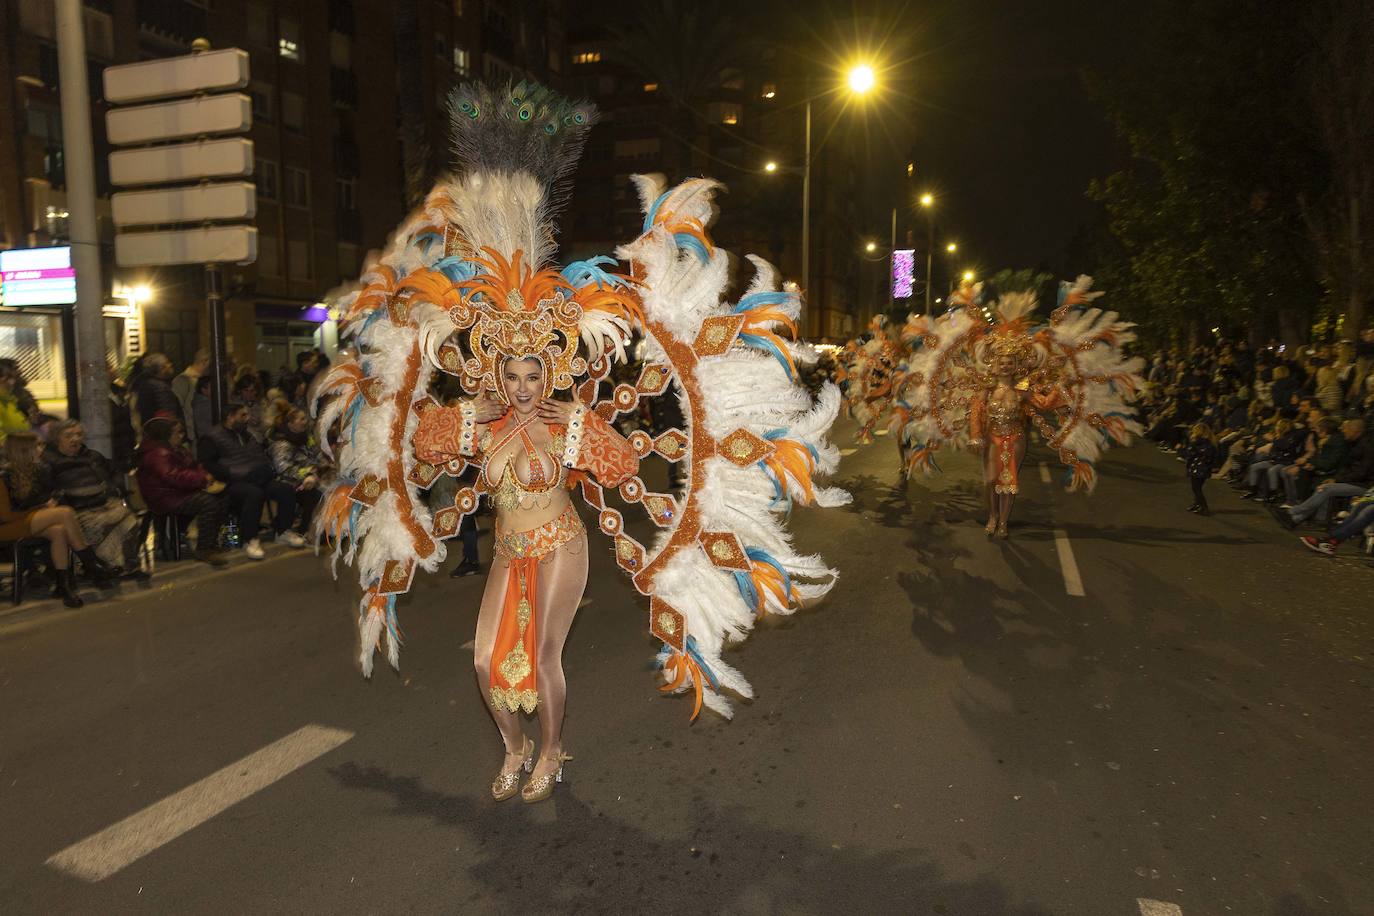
(37, 605)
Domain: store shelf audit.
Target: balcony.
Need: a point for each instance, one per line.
(176, 20)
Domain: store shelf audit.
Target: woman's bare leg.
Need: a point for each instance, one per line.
(562, 581)
(990, 484)
(488, 621)
(63, 516)
(58, 546)
(1005, 500)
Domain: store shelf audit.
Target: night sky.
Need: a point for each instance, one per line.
(989, 96)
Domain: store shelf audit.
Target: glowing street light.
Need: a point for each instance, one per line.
(951, 247)
(927, 200)
(969, 276)
(862, 79)
(141, 293)
(770, 166)
(871, 247)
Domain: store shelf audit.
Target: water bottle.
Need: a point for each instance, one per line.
(231, 533)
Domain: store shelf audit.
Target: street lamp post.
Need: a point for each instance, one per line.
(928, 203)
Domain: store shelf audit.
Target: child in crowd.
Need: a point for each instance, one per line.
(1201, 457)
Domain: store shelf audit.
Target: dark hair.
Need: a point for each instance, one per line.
(159, 429)
(233, 407)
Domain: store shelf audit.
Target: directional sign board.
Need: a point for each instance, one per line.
(214, 245)
(229, 158)
(209, 71)
(230, 200)
(211, 114)
(192, 98)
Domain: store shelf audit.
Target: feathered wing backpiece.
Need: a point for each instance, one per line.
(1075, 361)
(468, 281)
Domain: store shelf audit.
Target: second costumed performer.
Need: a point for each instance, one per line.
(468, 286)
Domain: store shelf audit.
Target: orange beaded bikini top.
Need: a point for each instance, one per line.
(510, 488)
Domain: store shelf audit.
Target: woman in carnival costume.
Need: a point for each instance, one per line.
(980, 378)
(467, 286)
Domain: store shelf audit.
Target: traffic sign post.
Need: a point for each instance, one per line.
(191, 99)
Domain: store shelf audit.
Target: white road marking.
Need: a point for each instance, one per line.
(1073, 583)
(880, 432)
(1158, 908)
(119, 845)
(846, 452)
(1044, 473)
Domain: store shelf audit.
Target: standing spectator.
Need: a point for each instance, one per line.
(298, 463)
(171, 483)
(12, 416)
(1201, 457)
(152, 391)
(184, 385)
(1284, 387)
(1328, 389)
(86, 480)
(27, 510)
(202, 414)
(123, 440)
(230, 452)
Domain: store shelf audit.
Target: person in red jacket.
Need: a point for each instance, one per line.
(171, 483)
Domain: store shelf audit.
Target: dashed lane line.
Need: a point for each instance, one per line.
(846, 452)
(1158, 908)
(119, 845)
(1073, 582)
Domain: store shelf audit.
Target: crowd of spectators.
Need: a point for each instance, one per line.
(167, 458)
(1291, 430)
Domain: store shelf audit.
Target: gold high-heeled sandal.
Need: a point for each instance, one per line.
(1002, 531)
(541, 787)
(990, 528)
(505, 784)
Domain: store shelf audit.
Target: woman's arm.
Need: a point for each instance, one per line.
(591, 444)
(446, 433)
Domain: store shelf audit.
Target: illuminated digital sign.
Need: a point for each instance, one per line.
(37, 276)
(903, 273)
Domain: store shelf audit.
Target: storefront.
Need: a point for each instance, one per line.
(37, 327)
(285, 330)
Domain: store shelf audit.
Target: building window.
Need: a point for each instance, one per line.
(730, 78)
(347, 193)
(910, 169)
(297, 187)
(298, 257)
(289, 43)
(348, 260)
(269, 256)
(462, 62)
(293, 111)
(340, 51)
(637, 149)
(587, 57)
(257, 24)
(724, 112)
(265, 177)
(651, 87)
(769, 90)
(263, 112)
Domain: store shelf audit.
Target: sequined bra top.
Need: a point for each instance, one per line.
(1004, 418)
(508, 492)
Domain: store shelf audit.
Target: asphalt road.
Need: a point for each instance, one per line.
(951, 732)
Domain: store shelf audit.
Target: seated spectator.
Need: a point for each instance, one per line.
(1286, 443)
(28, 510)
(298, 463)
(1357, 476)
(171, 483)
(1361, 517)
(247, 393)
(1325, 460)
(1284, 387)
(86, 480)
(230, 452)
(152, 394)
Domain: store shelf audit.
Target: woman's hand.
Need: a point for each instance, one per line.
(488, 410)
(310, 482)
(551, 411)
(214, 487)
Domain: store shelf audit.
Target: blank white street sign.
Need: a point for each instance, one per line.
(168, 77)
(213, 114)
(231, 200)
(232, 158)
(215, 245)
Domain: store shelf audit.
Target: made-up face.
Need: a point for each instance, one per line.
(522, 381)
(297, 423)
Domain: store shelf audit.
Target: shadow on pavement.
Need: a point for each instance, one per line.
(564, 856)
